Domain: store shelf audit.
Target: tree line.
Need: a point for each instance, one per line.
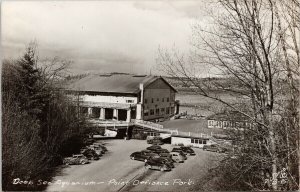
(39, 126)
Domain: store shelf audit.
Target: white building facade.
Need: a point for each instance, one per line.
(123, 97)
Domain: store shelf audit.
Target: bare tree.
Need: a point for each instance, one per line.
(250, 46)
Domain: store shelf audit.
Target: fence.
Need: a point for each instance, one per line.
(148, 124)
(189, 134)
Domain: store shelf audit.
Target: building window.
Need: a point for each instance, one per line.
(146, 114)
(167, 99)
(198, 141)
(162, 110)
(129, 101)
(152, 100)
(145, 101)
(167, 110)
(151, 111)
(84, 110)
(157, 99)
(157, 111)
(163, 99)
(219, 124)
(153, 134)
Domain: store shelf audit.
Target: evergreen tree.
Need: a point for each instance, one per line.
(30, 93)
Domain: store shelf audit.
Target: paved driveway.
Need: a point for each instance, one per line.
(115, 171)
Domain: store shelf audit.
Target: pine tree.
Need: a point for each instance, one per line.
(30, 93)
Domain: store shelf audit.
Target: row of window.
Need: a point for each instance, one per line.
(228, 124)
(152, 100)
(198, 141)
(158, 111)
(152, 134)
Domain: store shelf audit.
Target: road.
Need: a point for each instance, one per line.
(115, 171)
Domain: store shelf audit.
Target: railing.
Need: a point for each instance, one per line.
(148, 124)
(152, 126)
(189, 134)
(110, 123)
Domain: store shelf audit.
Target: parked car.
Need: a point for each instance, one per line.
(180, 152)
(177, 157)
(142, 155)
(91, 154)
(83, 149)
(188, 150)
(166, 160)
(214, 148)
(165, 155)
(78, 159)
(99, 150)
(154, 147)
(161, 151)
(155, 140)
(157, 164)
(98, 145)
(177, 149)
(149, 152)
(88, 141)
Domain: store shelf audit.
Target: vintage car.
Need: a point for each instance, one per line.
(78, 159)
(180, 151)
(99, 145)
(165, 155)
(91, 154)
(159, 151)
(188, 150)
(214, 148)
(142, 155)
(88, 141)
(167, 160)
(177, 157)
(155, 140)
(98, 149)
(158, 164)
(154, 147)
(177, 149)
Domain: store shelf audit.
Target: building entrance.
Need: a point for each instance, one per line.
(109, 113)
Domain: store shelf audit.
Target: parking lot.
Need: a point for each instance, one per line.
(115, 171)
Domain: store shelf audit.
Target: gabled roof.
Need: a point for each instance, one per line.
(112, 83)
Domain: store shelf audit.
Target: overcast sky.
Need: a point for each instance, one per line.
(100, 36)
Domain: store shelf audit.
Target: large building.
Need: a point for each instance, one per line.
(124, 96)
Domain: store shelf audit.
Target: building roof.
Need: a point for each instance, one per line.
(228, 116)
(112, 83)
